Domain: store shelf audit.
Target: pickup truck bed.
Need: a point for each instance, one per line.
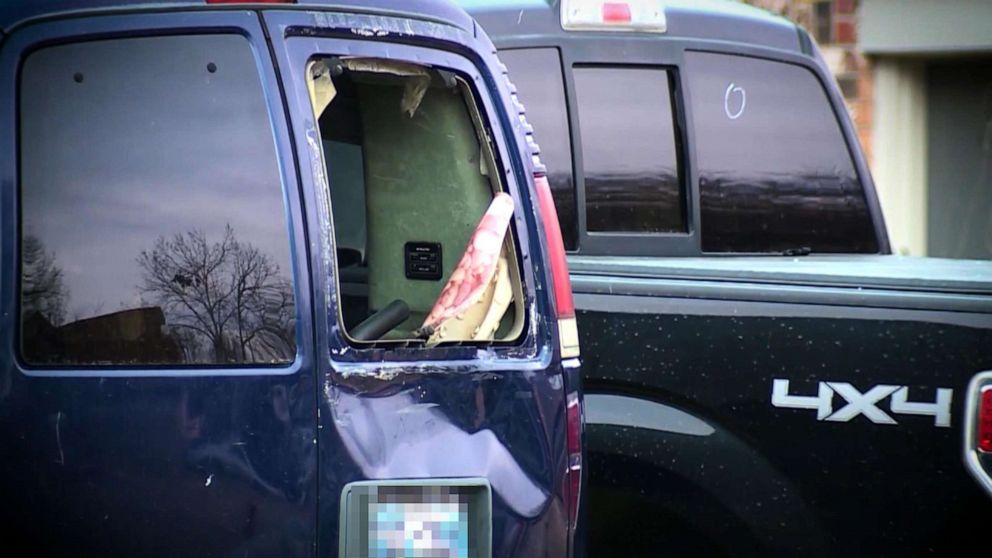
(902, 282)
(682, 361)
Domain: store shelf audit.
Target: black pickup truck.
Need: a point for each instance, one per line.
(762, 377)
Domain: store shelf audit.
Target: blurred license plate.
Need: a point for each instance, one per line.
(417, 519)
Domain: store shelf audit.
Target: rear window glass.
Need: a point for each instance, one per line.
(629, 150)
(774, 170)
(154, 228)
(537, 75)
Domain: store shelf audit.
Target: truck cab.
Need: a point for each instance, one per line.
(278, 278)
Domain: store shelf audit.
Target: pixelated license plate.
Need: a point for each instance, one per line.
(414, 519)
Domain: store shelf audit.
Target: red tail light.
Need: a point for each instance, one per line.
(568, 339)
(985, 421)
(556, 248)
(562, 285)
(573, 424)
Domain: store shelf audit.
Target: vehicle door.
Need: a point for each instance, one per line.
(157, 396)
(403, 145)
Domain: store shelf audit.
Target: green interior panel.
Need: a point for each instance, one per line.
(424, 184)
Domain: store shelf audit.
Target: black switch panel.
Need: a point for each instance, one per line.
(423, 260)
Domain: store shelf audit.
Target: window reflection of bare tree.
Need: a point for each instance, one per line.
(44, 298)
(42, 288)
(226, 299)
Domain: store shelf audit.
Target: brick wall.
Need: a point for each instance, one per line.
(839, 43)
(862, 107)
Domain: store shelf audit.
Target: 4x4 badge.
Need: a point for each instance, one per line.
(863, 403)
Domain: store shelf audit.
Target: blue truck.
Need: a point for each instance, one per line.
(278, 279)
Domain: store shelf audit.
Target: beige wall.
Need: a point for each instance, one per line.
(899, 151)
(925, 26)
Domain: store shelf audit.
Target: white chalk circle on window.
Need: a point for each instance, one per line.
(732, 110)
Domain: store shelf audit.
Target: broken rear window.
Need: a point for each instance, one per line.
(422, 226)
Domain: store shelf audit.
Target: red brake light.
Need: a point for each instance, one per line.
(645, 16)
(985, 421)
(616, 12)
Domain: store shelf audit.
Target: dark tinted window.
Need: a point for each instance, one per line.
(537, 75)
(774, 169)
(154, 228)
(629, 154)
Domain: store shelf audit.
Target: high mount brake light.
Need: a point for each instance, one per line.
(613, 15)
(564, 304)
(616, 12)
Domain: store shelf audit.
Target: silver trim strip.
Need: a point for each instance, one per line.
(571, 363)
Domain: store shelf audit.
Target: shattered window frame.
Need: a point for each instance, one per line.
(492, 170)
